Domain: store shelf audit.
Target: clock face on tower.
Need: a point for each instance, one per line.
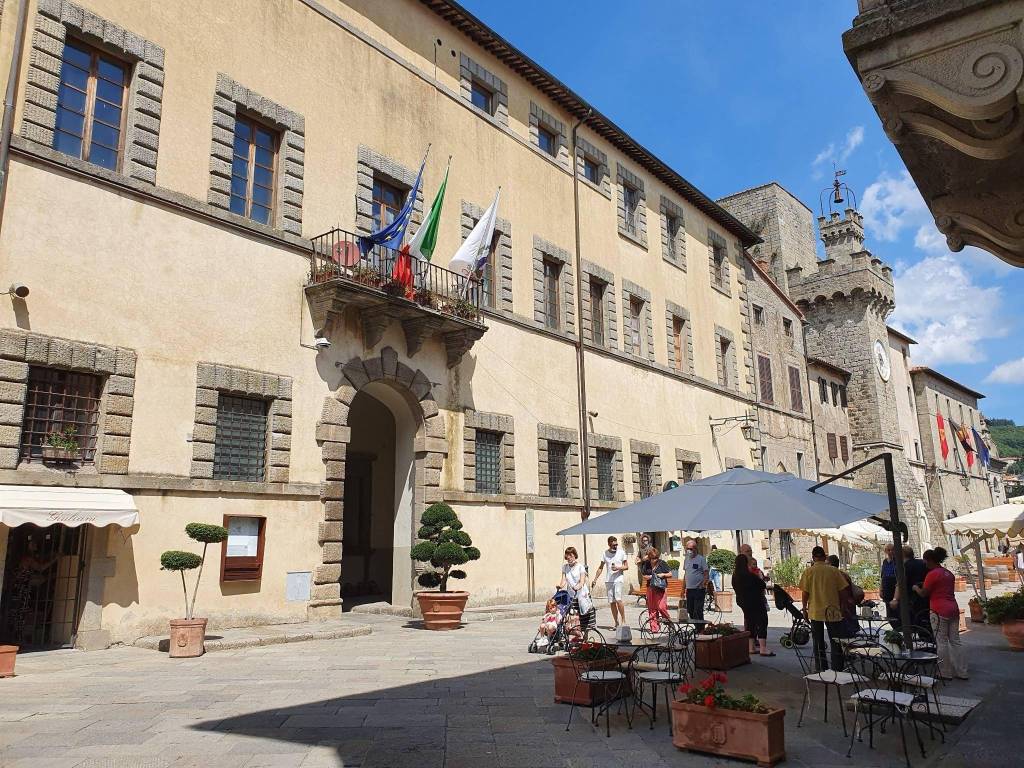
(882, 361)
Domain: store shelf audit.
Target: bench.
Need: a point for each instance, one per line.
(674, 591)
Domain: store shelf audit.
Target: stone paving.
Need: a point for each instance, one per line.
(402, 697)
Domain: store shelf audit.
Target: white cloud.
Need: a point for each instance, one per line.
(831, 153)
(892, 204)
(1010, 372)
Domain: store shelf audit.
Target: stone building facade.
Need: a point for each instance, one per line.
(183, 259)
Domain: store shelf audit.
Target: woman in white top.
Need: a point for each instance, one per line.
(574, 581)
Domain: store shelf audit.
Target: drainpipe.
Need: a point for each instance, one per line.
(7, 127)
(581, 376)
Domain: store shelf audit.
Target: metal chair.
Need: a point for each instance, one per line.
(612, 678)
(828, 678)
(657, 666)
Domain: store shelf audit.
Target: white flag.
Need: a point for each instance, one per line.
(476, 247)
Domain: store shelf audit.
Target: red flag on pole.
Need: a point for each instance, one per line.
(943, 445)
(402, 271)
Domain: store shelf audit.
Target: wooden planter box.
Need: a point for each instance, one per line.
(587, 694)
(52, 453)
(872, 594)
(722, 651)
(993, 561)
(729, 732)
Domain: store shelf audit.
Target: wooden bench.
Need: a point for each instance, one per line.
(674, 591)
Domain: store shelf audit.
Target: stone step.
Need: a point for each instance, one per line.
(271, 634)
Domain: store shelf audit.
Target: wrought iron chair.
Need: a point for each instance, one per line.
(828, 678)
(924, 677)
(657, 666)
(611, 680)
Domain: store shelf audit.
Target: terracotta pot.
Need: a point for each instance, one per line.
(442, 610)
(724, 599)
(722, 651)
(1013, 631)
(963, 621)
(187, 638)
(586, 694)
(8, 653)
(872, 594)
(729, 732)
(977, 612)
(795, 592)
(960, 584)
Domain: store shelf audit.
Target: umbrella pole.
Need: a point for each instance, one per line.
(981, 569)
(902, 588)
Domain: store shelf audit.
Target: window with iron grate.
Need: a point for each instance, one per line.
(64, 403)
(240, 450)
(605, 474)
(646, 466)
(488, 461)
(558, 469)
(688, 471)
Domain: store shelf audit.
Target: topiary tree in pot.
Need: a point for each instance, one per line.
(188, 634)
(444, 545)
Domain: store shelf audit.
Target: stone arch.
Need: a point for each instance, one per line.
(334, 434)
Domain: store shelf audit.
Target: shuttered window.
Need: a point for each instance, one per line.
(833, 450)
(796, 395)
(823, 389)
(844, 447)
(764, 375)
(842, 396)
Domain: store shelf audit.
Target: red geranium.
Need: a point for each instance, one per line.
(709, 702)
(685, 688)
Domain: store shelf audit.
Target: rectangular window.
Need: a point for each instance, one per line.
(591, 170)
(673, 226)
(833, 449)
(61, 404)
(597, 311)
(842, 395)
(605, 474)
(252, 170)
(547, 140)
(835, 393)
(487, 271)
(723, 370)
(552, 272)
(678, 341)
(241, 556)
(785, 544)
(764, 376)
(796, 394)
(758, 315)
(718, 265)
(787, 327)
(488, 461)
(90, 105)
(631, 199)
(844, 448)
(799, 465)
(688, 471)
(240, 448)
(558, 469)
(636, 309)
(481, 97)
(917, 450)
(823, 389)
(387, 202)
(645, 464)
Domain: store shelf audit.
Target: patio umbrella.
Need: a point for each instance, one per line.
(739, 499)
(1003, 520)
(860, 533)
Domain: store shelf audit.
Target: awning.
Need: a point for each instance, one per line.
(1003, 520)
(47, 505)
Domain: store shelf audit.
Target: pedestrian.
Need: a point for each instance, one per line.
(695, 569)
(888, 583)
(643, 549)
(824, 594)
(750, 591)
(574, 581)
(851, 625)
(914, 570)
(944, 614)
(1018, 561)
(614, 559)
(658, 571)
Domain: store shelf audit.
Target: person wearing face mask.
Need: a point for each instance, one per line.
(695, 567)
(614, 559)
(574, 581)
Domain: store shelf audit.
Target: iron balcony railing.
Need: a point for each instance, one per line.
(336, 254)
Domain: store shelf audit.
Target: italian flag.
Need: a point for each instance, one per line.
(423, 243)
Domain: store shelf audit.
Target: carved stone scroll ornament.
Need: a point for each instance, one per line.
(1006, 242)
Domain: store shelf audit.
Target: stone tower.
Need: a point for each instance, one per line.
(846, 299)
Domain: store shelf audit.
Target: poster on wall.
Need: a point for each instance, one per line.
(243, 536)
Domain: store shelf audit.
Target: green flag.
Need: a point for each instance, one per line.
(423, 243)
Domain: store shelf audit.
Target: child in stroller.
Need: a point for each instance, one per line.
(800, 632)
(554, 630)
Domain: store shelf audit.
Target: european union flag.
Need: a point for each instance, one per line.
(392, 235)
(982, 448)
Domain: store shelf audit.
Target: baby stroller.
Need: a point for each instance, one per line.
(568, 618)
(800, 632)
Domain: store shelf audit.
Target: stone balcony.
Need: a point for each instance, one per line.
(438, 304)
(947, 80)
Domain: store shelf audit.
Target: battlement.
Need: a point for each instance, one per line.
(848, 276)
(842, 235)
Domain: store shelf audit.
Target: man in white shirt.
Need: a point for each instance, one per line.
(695, 566)
(615, 579)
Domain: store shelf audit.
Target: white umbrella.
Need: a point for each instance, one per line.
(739, 499)
(859, 533)
(1003, 520)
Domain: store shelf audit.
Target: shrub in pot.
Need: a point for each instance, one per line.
(1008, 611)
(723, 561)
(786, 574)
(188, 634)
(444, 545)
(865, 575)
(674, 565)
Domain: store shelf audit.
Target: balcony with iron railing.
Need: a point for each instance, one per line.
(432, 302)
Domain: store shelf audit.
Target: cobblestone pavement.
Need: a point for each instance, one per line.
(406, 697)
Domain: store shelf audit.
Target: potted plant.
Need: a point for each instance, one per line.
(865, 575)
(444, 545)
(591, 657)
(327, 271)
(424, 297)
(361, 273)
(786, 574)
(188, 634)
(674, 565)
(1008, 611)
(723, 561)
(721, 646)
(8, 654)
(62, 445)
(893, 640)
(708, 719)
(394, 288)
(462, 308)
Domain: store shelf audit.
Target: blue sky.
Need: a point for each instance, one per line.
(736, 94)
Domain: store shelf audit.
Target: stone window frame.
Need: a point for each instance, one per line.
(593, 271)
(731, 463)
(539, 117)
(624, 176)
(716, 244)
(686, 458)
(471, 214)
(584, 149)
(595, 443)
(371, 164)
(673, 253)
(143, 102)
(230, 98)
(638, 448)
(630, 291)
(214, 378)
(545, 249)
(552, 433)
(493, 422)
(469, 71)
(675, 312)
(116, 365)
(733, 365)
